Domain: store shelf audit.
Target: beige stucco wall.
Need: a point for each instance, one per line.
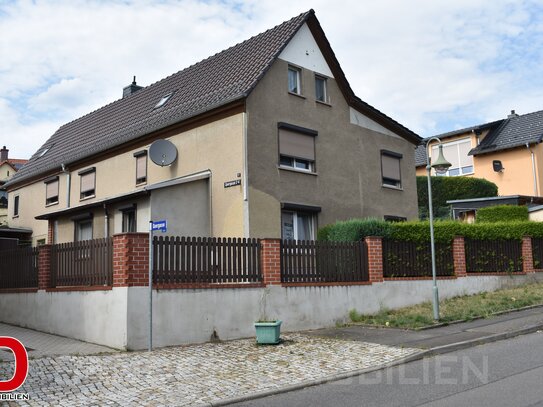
(348, 165)
(216, 146)
(536, 216)
(6, 171)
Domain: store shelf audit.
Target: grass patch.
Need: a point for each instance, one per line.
(463, 308)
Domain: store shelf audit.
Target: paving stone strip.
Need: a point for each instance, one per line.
(196, 374)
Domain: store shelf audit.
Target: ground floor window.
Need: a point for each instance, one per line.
(129, 221)
(297, 225)
(83, 230)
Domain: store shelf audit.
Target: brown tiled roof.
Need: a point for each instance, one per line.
(216, 81)
(213, 82)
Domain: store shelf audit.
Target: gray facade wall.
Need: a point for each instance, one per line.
(347, 183)
(186, 207)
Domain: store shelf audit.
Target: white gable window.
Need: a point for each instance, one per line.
(294, 83)
(321, 93)
(456, 152)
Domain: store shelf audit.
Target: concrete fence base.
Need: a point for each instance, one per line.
(118, 317)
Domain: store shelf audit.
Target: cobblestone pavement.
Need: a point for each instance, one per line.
(196, 374)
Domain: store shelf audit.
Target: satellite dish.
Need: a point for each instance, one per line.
(163, 152)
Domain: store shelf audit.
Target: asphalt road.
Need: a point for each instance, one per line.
(504, 373)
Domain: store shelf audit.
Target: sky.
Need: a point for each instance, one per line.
(434, 66)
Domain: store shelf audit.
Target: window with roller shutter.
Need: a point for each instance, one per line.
(51, 191)
(141, 167)
(87, 183)
(390, 169)
(296, 147)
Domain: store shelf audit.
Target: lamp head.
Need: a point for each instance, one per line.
(441, 165)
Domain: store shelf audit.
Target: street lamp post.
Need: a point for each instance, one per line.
(440, 166)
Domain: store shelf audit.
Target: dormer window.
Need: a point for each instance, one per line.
(163, 100)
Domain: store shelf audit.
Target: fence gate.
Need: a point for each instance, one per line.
(19, 268)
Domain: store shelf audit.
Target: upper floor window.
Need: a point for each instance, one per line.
(296, 147)
(321, 93)
(16, 206)
(141, 167)
(390, 169)
(456, 152)
(51, 191)
(87, 183)
(294, 80)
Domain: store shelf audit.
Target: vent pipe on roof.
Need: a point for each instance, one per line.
(513, 114)
(4, 154)
(131, 89)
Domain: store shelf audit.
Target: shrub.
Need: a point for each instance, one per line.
(502, 213)
(323, 232)
(450, 188)
(356, 229)
(444, 231)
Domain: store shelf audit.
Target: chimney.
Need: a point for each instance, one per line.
(4, 154)
(513, 114)
(132, 88)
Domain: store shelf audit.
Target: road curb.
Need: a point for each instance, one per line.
(438, 350)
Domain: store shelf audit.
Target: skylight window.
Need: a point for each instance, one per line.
(42, 153)
(163, 100)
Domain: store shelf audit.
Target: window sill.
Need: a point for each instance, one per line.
(87, 198)
(14, 216)
(323, 103)
(289, 169)
(141, 184)
(297, 94)
(51, 204)
(391, 187)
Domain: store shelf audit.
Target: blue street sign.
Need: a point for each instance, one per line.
(161, 225)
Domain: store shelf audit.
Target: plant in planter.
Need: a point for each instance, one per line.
(268, 332)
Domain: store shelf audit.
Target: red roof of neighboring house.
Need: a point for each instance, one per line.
(15, 163)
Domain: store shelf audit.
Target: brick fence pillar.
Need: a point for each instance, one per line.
(270, 255)
(527, 255)
(44, 267)
(459, 257)
(131, 260)
(50, 231)
(375, 258)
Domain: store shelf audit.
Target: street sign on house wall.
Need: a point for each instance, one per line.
(161, 225)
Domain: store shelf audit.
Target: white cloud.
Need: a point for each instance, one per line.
(430, 65)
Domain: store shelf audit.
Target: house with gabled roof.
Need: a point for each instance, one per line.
(8, 168)
(271, 141)
(507, 152)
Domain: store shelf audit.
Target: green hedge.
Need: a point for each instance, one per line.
(502, 213)
(444, 231)
(355, 229)
(450, 188)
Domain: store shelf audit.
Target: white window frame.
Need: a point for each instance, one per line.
(298, 79)
(435, 152)
(296, 161)
(312, 225)
(325, 90)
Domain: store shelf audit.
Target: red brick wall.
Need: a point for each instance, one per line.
(44, 267)
(375, 258)
(459, 257)
(527, 256)
(131, 260)
(270, 256)
(50, 231)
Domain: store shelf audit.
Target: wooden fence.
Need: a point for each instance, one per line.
(84, 263)
(488, 256)
(537, 253)
(308, 261)
(19, 268)
(178, 260)
(412, 259)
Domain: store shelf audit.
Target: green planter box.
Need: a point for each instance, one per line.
(267, 333)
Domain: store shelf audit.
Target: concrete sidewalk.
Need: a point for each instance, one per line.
(441, 338)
